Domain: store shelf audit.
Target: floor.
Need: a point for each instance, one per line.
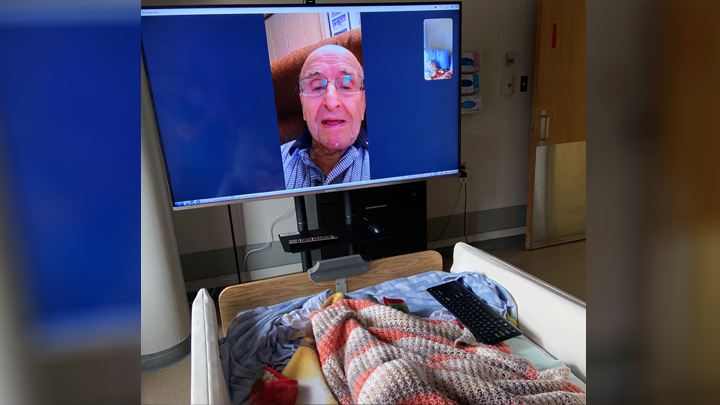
(170, 385)
(562, 266)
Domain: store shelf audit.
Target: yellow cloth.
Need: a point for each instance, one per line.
(304, 366)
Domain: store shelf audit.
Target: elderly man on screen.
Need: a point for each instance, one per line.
(334, 148)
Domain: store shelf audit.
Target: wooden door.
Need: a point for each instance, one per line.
(558, 118)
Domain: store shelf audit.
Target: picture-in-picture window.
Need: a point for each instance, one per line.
(438, 48)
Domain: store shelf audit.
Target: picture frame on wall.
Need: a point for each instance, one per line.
(339, 23)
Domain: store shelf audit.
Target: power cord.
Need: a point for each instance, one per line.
(450, 217)
(463, 180)
(269, 237)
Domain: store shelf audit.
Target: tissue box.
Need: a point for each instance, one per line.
(470, 62)
(471, 104)
(469, 84)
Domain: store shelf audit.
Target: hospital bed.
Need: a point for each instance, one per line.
(549, 317)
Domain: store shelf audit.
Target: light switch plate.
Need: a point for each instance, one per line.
(507, 85)
(523, 84)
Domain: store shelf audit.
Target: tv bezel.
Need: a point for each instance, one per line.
(305, 191)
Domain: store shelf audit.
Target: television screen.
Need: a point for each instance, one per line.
(257, 102)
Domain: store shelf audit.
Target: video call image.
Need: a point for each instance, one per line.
(257, 105)
(438, 49)
(318, 79)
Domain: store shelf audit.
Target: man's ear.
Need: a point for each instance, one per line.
(363, 105)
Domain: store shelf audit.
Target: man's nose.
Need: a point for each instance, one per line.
(331, 97)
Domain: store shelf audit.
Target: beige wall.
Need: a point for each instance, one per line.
(206, 229)
(496, 142)
(287, 33)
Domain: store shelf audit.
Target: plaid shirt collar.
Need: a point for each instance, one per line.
(304, 141)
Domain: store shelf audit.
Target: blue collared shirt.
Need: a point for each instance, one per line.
(301, 171)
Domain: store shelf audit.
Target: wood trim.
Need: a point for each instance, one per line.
(242, 297)
(535, 130)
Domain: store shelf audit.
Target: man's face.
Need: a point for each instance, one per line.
(333, 119)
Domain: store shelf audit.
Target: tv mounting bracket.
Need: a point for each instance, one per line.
(339, 269)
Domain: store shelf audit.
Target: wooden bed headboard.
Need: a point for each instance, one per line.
(263, 293)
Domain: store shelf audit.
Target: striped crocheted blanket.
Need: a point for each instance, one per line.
(371, 353)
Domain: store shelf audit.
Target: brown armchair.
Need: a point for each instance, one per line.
(285, 74)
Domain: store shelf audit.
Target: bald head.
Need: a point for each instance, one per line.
(337, 55)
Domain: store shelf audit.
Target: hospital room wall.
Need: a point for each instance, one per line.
(495, 145)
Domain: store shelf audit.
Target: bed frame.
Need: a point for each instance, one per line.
(550, 317)
(263, 293)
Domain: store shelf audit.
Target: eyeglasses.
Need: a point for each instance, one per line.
(345, 85)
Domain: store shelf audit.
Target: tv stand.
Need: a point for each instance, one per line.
(350, 234)
(401, 210)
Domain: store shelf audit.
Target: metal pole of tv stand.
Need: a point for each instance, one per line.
(352, 248)
(302, 225)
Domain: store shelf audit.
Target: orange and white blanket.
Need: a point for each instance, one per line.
(357, 351)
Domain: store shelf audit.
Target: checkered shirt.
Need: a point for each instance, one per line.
(301, 171)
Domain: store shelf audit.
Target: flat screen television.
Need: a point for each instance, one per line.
(259, 102)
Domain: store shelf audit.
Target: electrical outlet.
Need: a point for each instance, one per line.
(463, 172)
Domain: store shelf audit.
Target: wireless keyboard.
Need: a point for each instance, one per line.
(487, 326)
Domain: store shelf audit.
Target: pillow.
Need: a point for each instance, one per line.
(441, 57)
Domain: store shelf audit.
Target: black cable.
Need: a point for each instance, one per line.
(465, 216)
(450, 217)
(232, 232)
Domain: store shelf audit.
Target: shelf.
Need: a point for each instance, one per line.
(347, 234)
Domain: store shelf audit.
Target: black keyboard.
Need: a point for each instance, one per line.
(487, 326)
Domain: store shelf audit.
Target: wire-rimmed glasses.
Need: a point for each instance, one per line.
(346, 85)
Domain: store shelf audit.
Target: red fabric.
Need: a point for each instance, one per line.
(274, 388)
(388, 301)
